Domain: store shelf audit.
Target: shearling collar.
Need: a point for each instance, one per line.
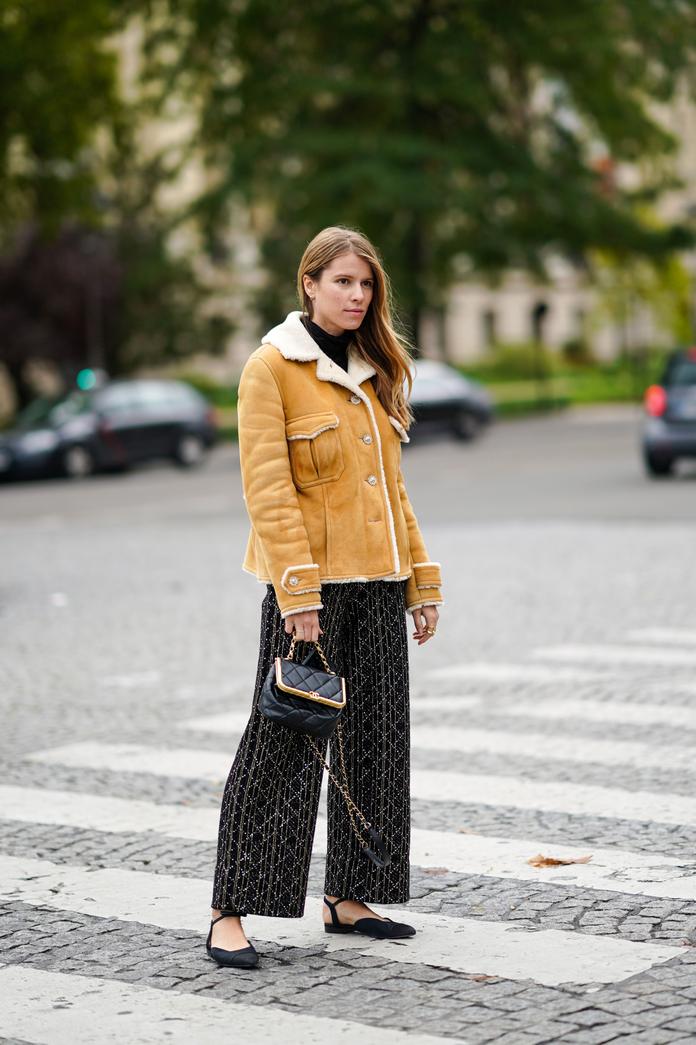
(293, 341)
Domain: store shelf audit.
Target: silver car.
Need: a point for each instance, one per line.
(443, 399)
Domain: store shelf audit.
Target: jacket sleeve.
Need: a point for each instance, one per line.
(423, 586)
(269, 491)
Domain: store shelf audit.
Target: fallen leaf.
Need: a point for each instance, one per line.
(555, 861)
(436, 870)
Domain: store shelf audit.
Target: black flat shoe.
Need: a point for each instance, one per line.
(244, 958)
(374, 927)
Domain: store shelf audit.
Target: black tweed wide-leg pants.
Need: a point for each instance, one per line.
(271, 798)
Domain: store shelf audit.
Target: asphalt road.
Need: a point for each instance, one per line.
(554, 715)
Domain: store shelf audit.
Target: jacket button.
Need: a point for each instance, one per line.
(367, 439)
(372, 479)
(355, 399)
(294, 580)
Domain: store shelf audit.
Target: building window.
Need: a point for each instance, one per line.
(489, 322)
(540, 311)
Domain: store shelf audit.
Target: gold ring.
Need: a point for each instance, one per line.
(431, 631)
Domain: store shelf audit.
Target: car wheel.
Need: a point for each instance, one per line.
(78, 462)
(190, 450)
(466, 425)
(658, 466)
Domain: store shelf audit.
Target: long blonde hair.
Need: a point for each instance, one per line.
(377, 340)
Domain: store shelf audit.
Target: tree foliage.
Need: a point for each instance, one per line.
(87, 274)
(110, 294)
(57, 86)
(447, 131)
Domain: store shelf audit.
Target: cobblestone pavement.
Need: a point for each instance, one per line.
(555, 716)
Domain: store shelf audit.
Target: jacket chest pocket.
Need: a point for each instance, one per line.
(314, 449)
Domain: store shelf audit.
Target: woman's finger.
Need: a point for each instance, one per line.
(424, 617)
(305, 625)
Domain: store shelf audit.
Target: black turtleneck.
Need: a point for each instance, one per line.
(335, 345)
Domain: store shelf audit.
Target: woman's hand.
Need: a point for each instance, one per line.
(424, 617)
(305, 625)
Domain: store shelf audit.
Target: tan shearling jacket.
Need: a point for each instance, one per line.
(321, 475)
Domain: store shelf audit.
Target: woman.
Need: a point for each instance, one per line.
(322, 414)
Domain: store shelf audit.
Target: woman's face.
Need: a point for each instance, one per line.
(342, 294)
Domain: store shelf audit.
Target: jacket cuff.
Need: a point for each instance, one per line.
(299, 579)
(435, 599)
(427, 574)
(287, 610)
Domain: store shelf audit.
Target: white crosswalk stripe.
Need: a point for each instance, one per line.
(54, 1007)
(187, 763)
(680, 636)
(553, 748)
(615, 870)
(553, 796)
(617, 655)
(430, 785)
(494, 672)
(610, 711)
(467, 945)
(103, 813)
(225, 722)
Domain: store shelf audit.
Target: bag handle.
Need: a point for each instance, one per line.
(315, 642)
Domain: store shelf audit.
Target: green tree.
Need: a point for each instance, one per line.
(626, 286)
(445, 130)
(108, 295)
(57, 86)
(87, 274)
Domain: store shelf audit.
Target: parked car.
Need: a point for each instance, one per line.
(669, 431)
(116, 425)
(443, 399)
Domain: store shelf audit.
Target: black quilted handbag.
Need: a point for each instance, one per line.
(305, 699)
(301, 697)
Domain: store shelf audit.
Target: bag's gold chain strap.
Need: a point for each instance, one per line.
(353, 810)
(351, 807)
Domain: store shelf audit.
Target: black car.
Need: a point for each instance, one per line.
(442, 399)
(669, 431)
(113, 426)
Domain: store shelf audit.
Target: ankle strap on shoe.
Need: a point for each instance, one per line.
(332, 905)
(227, 914)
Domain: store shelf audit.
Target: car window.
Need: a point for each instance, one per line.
(681, 371)
(438, 386)
(157, 394)
(152, 394)
(74, 404)
(118, 399)
(36, 413)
